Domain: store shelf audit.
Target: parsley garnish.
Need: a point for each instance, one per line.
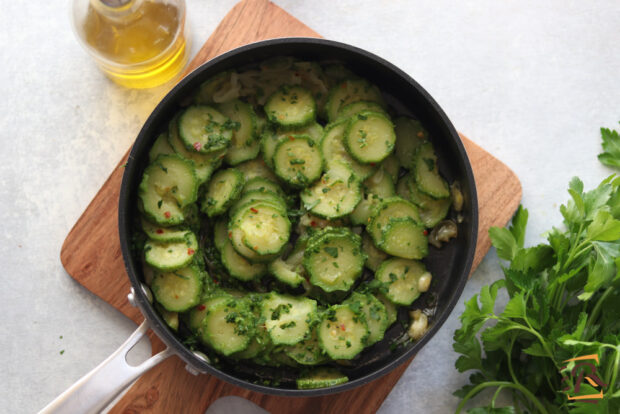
(611, 148)
(332, 251)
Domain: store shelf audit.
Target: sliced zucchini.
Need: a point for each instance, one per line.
(335, 195)
(259, 344)
(350, 90)
(224, 188)
(160, 147)
(391, 308)
(374, 312)
(427, 175)
(403, 187)
(288, 318)
(404, 237)
(334, 259)
(380, 183)
(403, 279)
(432, 210)
(204, 129)
(261, 184)
(228, 327)
(286, 272)
(236, 238)
(197, 313)
(364, 209)
(171, 318)
(220, 234)
(374, 256)
(297, 160)
(238, 266)
(244, 144)
(179, 290)
(172, 255)
(168, 185)
(333, 150)
(204, 164)
(321, 378)
(265, 229)
(392, 166)
(390, 208)
(409, 136)
(369, 137)
(291, 106)
(219, 86)
(355, 108)
(164, 234)
(308, 351)
(342, 332)
(256, 168)
(254, 196)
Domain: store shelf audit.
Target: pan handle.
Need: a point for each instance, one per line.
(95, 390)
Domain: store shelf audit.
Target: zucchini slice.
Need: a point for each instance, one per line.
(432, 210)
(171, 318)
(297, 160)
(355, 108)
(392, 166)
(334, 151)
(261, 184)
(164, 234)
(197, 314)
(172, 255)
(238, 266)
(168, 185)
(204, 164)
(335, 195)
(342, 332)
(236, 238)
(218, 86)
(404, 237)
(427, 174)
(244, 144)
(351, 90)
(364, 209)
(286, 272)
(224, 188)
(254, 196)
(308, 351)
(256, 168)
(374, 312)
(179, 290)
(160, 147)
(390, 208)
(374, 256)
(369, 137)
(405, 280)
(390, 308)
(291, 106)
(334, 259)
(228, 326)
(204, 129)
(409, 136)
(288, 318)
(220, 234)
(321, 378)
(380, 183)
(265, 228)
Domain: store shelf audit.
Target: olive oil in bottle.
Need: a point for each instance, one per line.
(137, 43)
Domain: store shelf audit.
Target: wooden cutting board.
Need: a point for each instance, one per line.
(91, 253)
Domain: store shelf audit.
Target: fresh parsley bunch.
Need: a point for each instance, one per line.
(564, 302)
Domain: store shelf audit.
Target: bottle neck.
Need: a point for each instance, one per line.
(116, 9)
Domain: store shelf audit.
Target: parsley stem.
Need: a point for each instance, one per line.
(504, 384)
(597, 309)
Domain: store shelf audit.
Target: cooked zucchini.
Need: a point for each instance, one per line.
(364, 209)
(404, 237)
(334, 259)
(256, 168)
(286, 273)
(297, 160)
(321, 378)
(220, 234)
(288, 318)
(228, 326)
(252, 197)
(170, 255)
(264, 228)
(350, 90)
(224, 188)
(390, 208)
(335, 195)
(164, 234)
(197, 313)
(291, 106)
(392, 166)
(409, 136)
(369, 137)
(405, 280)
(244, 144)
(179, 290)
(205, 129)
(380, 183)
(238, 266)
(308, 351)
(374, 312)
(343, 332)
(374, 256)
(220, 86)
(261, 184)
(334, 151)
(355, 108)
(160, 147)
(168, 185)
(427, 175)
(432, 210)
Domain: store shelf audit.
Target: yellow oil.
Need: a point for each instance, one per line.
(139, 45)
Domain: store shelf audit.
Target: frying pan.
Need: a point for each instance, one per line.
(449, 265)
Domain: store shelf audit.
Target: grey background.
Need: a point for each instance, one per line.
(530, 81)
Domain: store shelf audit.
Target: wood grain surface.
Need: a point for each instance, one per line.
(91, 253)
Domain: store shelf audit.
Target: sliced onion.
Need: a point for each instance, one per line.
(457, 196)
(443, 232)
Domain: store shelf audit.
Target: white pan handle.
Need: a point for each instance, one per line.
(95, 390)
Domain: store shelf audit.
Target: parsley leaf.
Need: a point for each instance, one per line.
(611, 148)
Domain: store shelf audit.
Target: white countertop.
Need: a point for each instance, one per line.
(530, 82)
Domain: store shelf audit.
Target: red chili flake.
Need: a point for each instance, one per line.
(255, 247)
(201, 307)
(176, 296)
(313, 223)
(342, 327)
(222, 156)
(159, 231)
(426, 232)
(420, 134)
(197, 146)
(372, 164)
(344, 85)
(291, 138)
(230, 234)
(167, 214)
(190, 251)
(217, 282)
(253, 210)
